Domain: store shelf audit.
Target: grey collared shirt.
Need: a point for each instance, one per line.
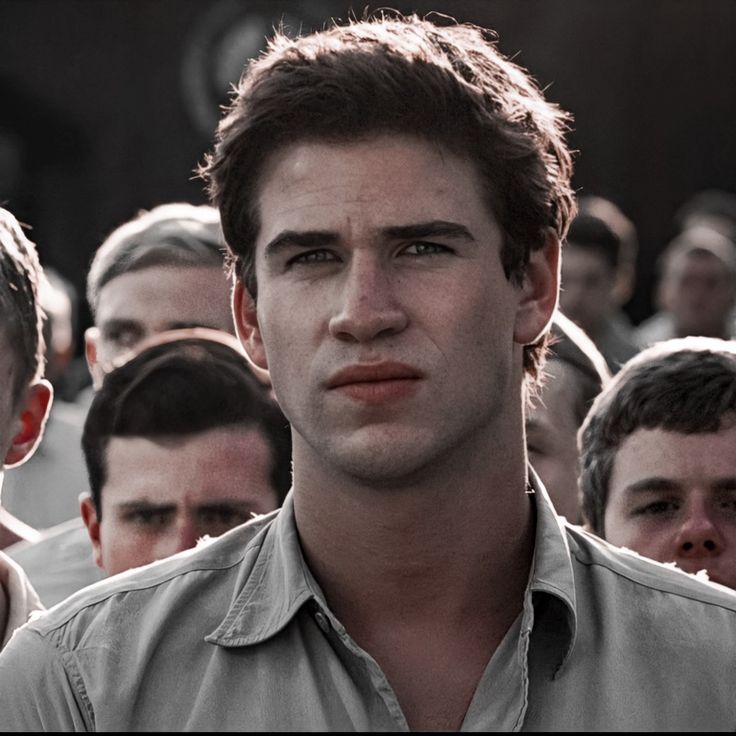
(236, 636)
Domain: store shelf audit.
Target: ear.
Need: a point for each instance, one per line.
(32, 420)
(91, 341)
(245, 315)
(89, 517)
(539, 292)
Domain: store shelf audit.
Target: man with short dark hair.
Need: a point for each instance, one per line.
(181, 441)
(394, 192)
(658, 461)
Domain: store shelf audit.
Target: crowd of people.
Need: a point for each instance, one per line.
(370, 437)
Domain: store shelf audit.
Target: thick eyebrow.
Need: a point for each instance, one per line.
(656, 484)
(219, 505)
(320, 238)
(724, 484)
(300, 239)
(434, 228)
(146, 506)
(120, 324)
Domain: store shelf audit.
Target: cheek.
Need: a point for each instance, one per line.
(123, 547)
(637, 535)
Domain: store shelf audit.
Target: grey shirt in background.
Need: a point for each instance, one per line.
(236, 635)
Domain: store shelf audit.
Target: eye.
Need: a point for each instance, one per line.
(149, 518)
(657, 508)
(728, 503)
(424, 248)
(312, 257)
(123, 337)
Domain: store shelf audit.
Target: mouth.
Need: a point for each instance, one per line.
(376, 382)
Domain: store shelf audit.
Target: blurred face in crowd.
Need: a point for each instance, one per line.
(551, 438)
(162, 495)
(699, 291)
(138, 304)
(672, 497)
(586, 296)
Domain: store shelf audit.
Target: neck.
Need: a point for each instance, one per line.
(454, 538)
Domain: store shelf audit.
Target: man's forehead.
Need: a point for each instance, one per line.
(161, 289)
(345, 187)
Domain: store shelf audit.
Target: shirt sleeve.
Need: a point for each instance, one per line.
(40, 689)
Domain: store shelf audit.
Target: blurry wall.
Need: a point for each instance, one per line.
(107, 106)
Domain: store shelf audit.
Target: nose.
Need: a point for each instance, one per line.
(183, 535)
(187, 534)
(699, 535)
(369, 307)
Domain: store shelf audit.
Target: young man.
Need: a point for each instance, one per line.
(659, 468)
(395, 193)
(182, 441)
(25, 399)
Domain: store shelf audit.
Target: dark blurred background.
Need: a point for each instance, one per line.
(107, 106)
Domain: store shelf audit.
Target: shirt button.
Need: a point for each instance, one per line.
(322, 621)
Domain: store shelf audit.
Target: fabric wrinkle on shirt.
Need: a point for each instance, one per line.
(606, 641)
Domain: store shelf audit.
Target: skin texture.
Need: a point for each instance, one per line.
(586, 296)
(138, 304)
(182, 489)
(369, 297)
(383, 254)
(672, 497)
(551, 438)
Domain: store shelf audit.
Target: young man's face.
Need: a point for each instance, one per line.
(138, 304)
(160, 497)
(586, 296)
(384, 317)
(672, 497)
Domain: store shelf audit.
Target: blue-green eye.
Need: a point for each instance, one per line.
(422, 248)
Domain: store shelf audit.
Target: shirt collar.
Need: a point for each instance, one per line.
(277, 582)
(551, 590)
